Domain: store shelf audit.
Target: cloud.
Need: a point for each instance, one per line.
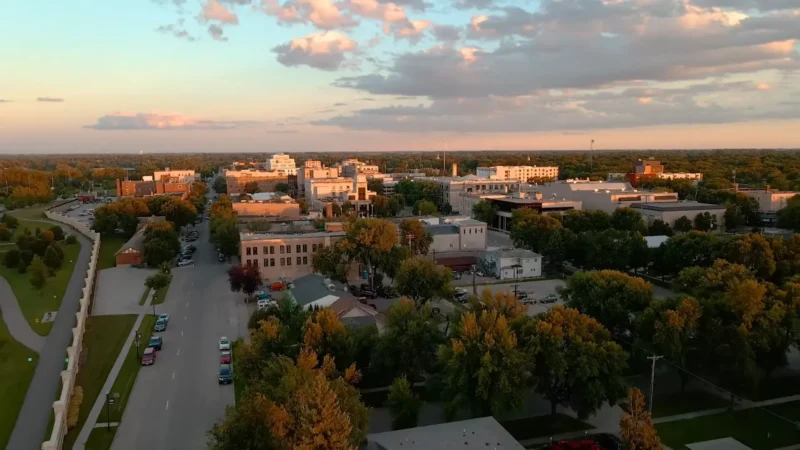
(213, 10)
(176, 30)
(323, 14)
(162, 121)
(50, 99)
(446, 33)
(513, 21)
(407, 29)
(473, 4)
(216, 33)
(323, 50)
(340, 104)
(2, 100)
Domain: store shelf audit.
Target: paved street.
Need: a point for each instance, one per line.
(177, 400)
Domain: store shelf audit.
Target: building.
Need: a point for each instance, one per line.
(463, 235)
(450, 188)
(603, 195)
(769, 200)
(518, 173)
(484, 433)
(352, 167)
(145, 188)
(322, 194)
(132, 251)
(670, 212)
(312, 170)
(268, 205)
(315, 291)
(510, 264)
(266, 181)
(281, 163)
(319, 188)
(183, 176)
(505, 204)
(651, 168)
(287, 252)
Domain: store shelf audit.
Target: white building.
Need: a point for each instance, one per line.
(670, 212)
(462, 235)
(313, 170)
(353, 166)
(318, 188)
(282, 163)
(513, 264)
(603, 195)
(769, 200)
(181, 176)
(519, 173)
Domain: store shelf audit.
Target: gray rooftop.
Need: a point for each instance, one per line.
(468, 222)
(518, 253)
(135, 242)
(678, 206)
(360, 321)
(286, 235)
(310, 288)
(443, 229)
(483, 433)
(727, 443)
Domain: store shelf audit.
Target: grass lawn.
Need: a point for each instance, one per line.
(160, 295)
(34, 212)
(543, 426)
(35, 303)
(104, 338)
(751, 427)
(144, 296)
(109, 244)
(100, 439)
(777, 387)
(130, 368)
(685, 402)
(16, 373)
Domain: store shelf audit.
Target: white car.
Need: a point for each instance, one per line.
(264, 304)
(224, 344)
(185, 262)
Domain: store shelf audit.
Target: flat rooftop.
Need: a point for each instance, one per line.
(678, 206)
(483, 433)
(287, 235)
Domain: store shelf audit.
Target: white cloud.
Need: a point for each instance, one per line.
(322, 50)
(323, 14)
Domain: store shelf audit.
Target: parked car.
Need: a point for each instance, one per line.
(185, 262)
(277, 286)
(224, 344)
(225, 358)
(225, 374)
(368, 294)
(263, 304)
(549, 299)
(161, 325)
(155, 342)
(191, 239)
(164, 317)
(456, 275)
(462, 298)
(528, 300)
(387, 292)
(221, 257)
(149, 356)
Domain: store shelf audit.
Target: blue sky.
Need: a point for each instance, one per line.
(368, 75)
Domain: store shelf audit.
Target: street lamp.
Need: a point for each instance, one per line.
(108, 410)
(136, 340)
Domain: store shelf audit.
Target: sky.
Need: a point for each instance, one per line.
(122, 76)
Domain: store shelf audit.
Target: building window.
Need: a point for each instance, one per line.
(297, 249)
(265, 250)
(255, 263)
(266, 262)
(283, 261)
(313, 247)
(288, 249)
(305, 248)
(255, 250)
(305, 260)
(288, 261)
(281, 251)
(272, 262)
(298, 260)
(272, 250)
(248, 251)
(249, 264)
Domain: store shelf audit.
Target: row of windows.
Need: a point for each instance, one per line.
(477, 230)
(282, 249)
(270, 262)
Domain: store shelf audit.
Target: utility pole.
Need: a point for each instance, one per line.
(474, 289)
(653, 358)
(591, 157)
(108, 411)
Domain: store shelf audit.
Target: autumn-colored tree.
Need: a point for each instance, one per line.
(267, 340)
(422, 280)
(414, 236)
(707, 282)
(484, 369)
(367, 241)
(403, 404)
(752, 251)
(245, 279)
(575, 361)
(408, 345)
(326, 335)
(613, 298)
(505, 303)
(532, 230)
(636, 425)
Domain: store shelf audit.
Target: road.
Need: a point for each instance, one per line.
(177, 400)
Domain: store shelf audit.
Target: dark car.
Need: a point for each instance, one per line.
(387, 292)
(549, 299)
(221, 257)
(156, 342)
(225, 374)
(368, 294)
(149, 356)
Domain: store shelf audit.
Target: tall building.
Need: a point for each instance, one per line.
(351, 167)
(519, 173)
(313, 170)
(281, 163)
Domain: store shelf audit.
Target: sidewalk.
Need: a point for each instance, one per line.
(97, 408)
(12, 315)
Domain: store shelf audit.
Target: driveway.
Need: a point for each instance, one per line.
(119, 290)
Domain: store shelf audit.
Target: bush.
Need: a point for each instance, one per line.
(52, 258)
(74, 407)
(25, 257)
(22, 268)
(257, 316)
(10, 221)
(58, 232)
(5, 233)
(72, 240)
(11, 259)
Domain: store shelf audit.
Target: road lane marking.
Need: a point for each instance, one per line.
(173, 374)
(181, 332)
(179, 352)
(184, 317)
(167, 405)
(187, 303)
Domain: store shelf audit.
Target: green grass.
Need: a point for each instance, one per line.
(16, 373)
(130, 368)
(104, 338)
(109, 245)
(543, 426)
(750, 427)
(777, 387)
(100, 439)
(686, 402)
(144, 296)
(33, 212)
(34, 303)
(160, 295)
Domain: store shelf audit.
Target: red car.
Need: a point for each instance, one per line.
(277, 286)
(225, 358)
(149, 356)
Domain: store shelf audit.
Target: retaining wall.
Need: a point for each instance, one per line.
(69, 375)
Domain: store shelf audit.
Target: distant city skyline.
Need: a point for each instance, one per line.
(370, 75)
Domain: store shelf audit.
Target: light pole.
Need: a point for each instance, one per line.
(136, 340)
(474, 289)
(108, 410)
(154, 309)
(653, 358)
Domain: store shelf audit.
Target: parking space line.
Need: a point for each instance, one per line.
(167, 405)
(181, 332)
(179, 352)
(173, 374)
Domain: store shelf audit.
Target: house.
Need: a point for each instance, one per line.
(512, 264)
(473, 434)
(314, 290)
(132, 252)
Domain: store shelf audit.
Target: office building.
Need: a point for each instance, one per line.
(268, 205)
(351, 167)
(462, 235)
(237, 180)
(670, 212)
(505, 204)
(603, 195)
(518, 173)
(451, 188)
(281, 163)
(769, 200)
(182, 176)
(313, 170)
(163, 182)
(651, 168)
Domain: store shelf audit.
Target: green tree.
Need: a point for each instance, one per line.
(691, 249)
(226, 236)
(557, 248)
(158, 281)
(220, 186)
(485, 212)
(11, 258)
(753, 251)
(10, 221)
(628, 219)
(425, 208)
(403, 405)
(380, 206)
(576, 363)
(788, 216)
(683, 224)
(613, 298)
(5, 233)
(331, 262)
(422, 280)
(708, 282)
(705, 222)
(484, 371)
(532, 230)
(251, 187)
(733, 217)
(52, 258)
(414, 236)
(636, 426)
(660, 228)
(447, 208)
(409, 342)
(161, 243)
(282, 187)
(368, 241)
(58, 232)
(38, 272)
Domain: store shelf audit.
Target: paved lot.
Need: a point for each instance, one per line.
(76, 214)
(119, 290)
(178, 399)
(498, 239)
(535, 289)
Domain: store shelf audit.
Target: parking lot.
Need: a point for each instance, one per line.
(83, 212)
(536, 290)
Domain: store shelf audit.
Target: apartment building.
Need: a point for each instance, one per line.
(519, 173)
(286, 253)
(281, 163)
(352, 167)
(603, 195)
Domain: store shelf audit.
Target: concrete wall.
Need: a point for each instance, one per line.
(444, 243)
(68, 376)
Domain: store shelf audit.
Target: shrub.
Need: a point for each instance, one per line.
(5, 233)
(25, 257)
(74, 407)
(58, 232)
(52, 259)
(11, 259)
(10, 221)
(72, 240)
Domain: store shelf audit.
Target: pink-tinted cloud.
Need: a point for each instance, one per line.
(50, 99)
(323, 50)
(323, 14)
(213, 10)
(162, 121)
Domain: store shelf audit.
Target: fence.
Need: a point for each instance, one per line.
(69, 375)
